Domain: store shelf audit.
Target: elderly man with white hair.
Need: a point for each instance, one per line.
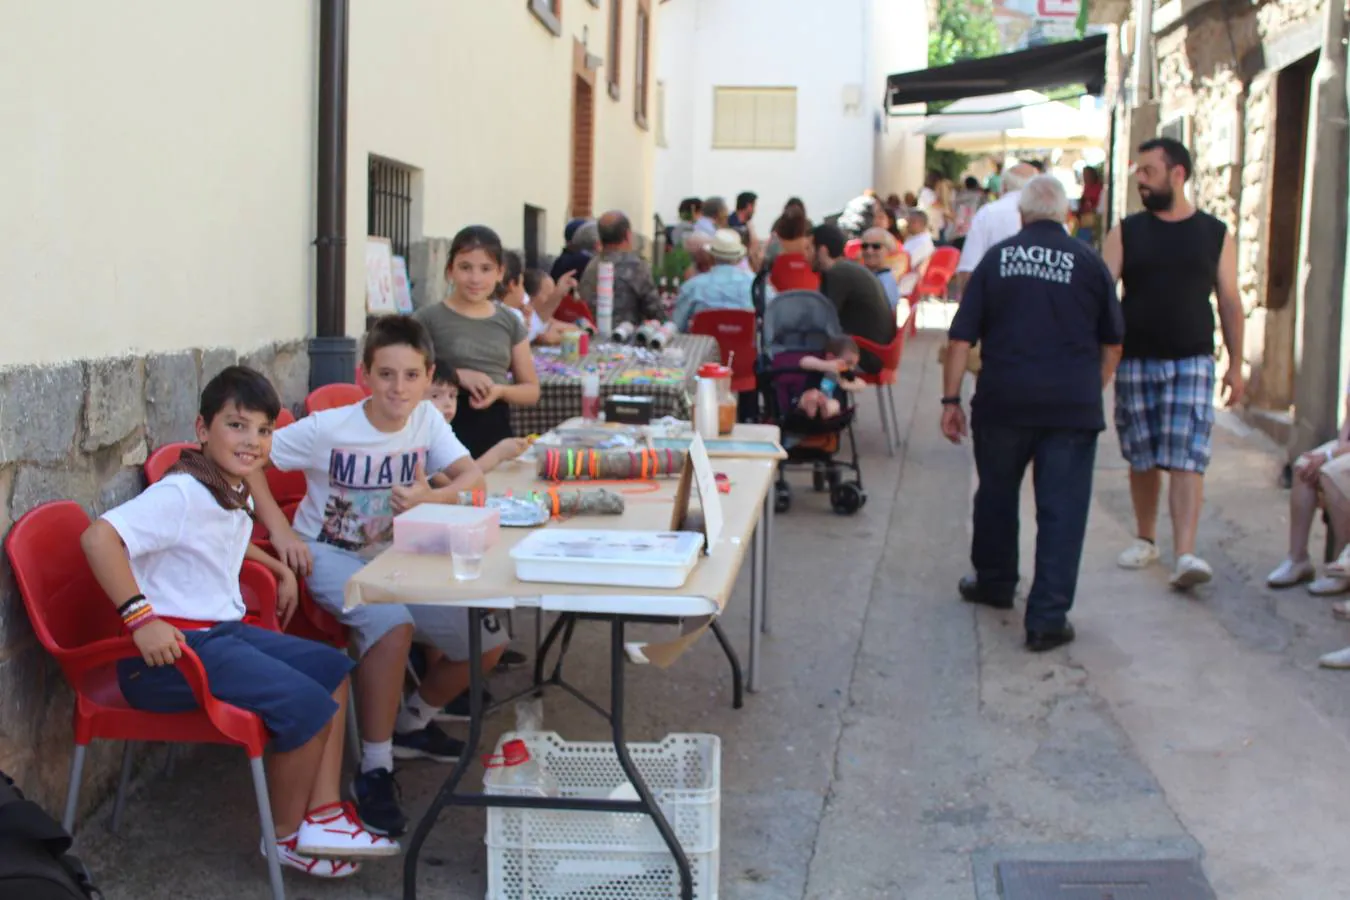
(878, 246)
(1043, 307)
(993, 222)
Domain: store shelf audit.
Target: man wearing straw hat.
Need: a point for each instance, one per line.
(726, 286)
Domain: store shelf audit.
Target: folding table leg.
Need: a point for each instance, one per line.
(885, 421)
(756, 600)
(737, 688)
(768, 515)
(895, 419)
(618, 658)
(467, 756)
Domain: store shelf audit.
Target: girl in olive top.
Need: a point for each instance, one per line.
(483, 340)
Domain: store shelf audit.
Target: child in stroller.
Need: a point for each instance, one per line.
(804, 348)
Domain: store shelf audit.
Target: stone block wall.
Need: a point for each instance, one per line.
(80, 431)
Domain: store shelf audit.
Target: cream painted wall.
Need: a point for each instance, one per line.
(156, 170)
(478, 96)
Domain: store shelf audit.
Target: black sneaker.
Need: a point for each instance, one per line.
(376, 793)
(429, 743)
(457, 710)
(512, 659)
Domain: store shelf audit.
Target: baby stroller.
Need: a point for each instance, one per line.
(799, 324)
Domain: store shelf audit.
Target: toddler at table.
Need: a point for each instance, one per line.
(364, 464)
(487, 343)
(170, 561)
(831, 379)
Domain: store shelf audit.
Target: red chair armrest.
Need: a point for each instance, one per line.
(259, 589)
(111, 650)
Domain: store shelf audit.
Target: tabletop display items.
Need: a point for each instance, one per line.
(655, 335)
(608, 465)
(537, 507)
(604, 298)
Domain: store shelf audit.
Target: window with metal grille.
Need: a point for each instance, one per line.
(389, 204)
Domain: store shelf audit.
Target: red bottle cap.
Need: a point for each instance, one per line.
(514, 753)
(713, 370)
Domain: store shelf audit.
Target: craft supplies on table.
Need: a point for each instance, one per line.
(645, 559)
(430, 528)
(608, 465)
(537, 507)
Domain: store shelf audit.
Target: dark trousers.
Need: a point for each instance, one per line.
(1062, 461)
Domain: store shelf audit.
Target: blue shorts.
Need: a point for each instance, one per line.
(443, 627)
(287, 681)
(1165, 413)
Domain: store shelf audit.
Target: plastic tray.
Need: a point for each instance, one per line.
(649, 559)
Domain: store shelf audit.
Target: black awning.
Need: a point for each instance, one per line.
(1047, 66)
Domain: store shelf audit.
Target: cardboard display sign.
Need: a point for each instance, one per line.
(698, 474)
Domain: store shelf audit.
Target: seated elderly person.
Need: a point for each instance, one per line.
(856, 294)
(1321, 478)
(725, 286)
(878, 247)
(920, 247)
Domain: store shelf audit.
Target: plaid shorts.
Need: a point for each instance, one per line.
(1165, 413)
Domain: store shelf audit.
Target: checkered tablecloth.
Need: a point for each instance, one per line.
(560, 394)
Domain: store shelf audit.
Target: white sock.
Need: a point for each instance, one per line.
(377, 755)
(415, 715)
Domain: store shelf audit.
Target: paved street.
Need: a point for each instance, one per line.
(903, 742)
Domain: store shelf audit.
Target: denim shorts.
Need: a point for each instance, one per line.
(287, 681)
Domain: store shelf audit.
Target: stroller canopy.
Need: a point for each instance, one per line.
(799, 322)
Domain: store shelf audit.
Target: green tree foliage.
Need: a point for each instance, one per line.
(964, 29)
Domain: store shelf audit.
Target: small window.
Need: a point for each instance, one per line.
(642, 62)
(615, 47)
(549, 12)
(747, 118)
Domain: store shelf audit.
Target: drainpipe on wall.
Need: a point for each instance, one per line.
(332, 354)
(1321, 285)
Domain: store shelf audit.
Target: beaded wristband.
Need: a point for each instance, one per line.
(139, 614)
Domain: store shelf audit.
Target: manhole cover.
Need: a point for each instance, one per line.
(1172, 879)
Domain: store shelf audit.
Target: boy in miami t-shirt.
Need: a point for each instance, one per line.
(364, 464)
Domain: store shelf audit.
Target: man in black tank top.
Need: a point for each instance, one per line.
(1170, 259)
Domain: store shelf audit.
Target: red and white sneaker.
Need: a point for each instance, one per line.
(318, 868)
(335, 832)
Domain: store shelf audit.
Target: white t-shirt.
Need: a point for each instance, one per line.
(534, 326)
(993, 222)
(919, 247)
(351, 469)
(186, 549)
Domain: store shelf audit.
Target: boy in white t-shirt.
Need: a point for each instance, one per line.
(364, 464)
(170, 561)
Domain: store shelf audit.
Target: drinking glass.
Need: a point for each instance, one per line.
(468, 544)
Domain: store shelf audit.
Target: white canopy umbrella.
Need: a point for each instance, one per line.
(1021, 120)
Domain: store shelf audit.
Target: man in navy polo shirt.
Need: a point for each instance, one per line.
(1043, 308)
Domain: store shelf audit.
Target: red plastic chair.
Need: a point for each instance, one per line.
(360, 381)
(284, 418)
(333, 396)
(884, 382)
(734, 331)
(572, 310)
(78, 625)
(164, 459)
(941, 267)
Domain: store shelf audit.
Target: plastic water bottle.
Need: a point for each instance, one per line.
(604, 299)
(521, 775)
(590, 395)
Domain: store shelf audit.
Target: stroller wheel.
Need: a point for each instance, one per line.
(847, 499)
(819, 480)
(782, 498)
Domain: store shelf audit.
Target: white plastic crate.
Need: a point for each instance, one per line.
(557, 854)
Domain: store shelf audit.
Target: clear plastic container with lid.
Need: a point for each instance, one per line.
(714, 390)
(520, 775)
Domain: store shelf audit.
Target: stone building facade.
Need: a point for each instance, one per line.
(1232, 81)
(81, 431)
